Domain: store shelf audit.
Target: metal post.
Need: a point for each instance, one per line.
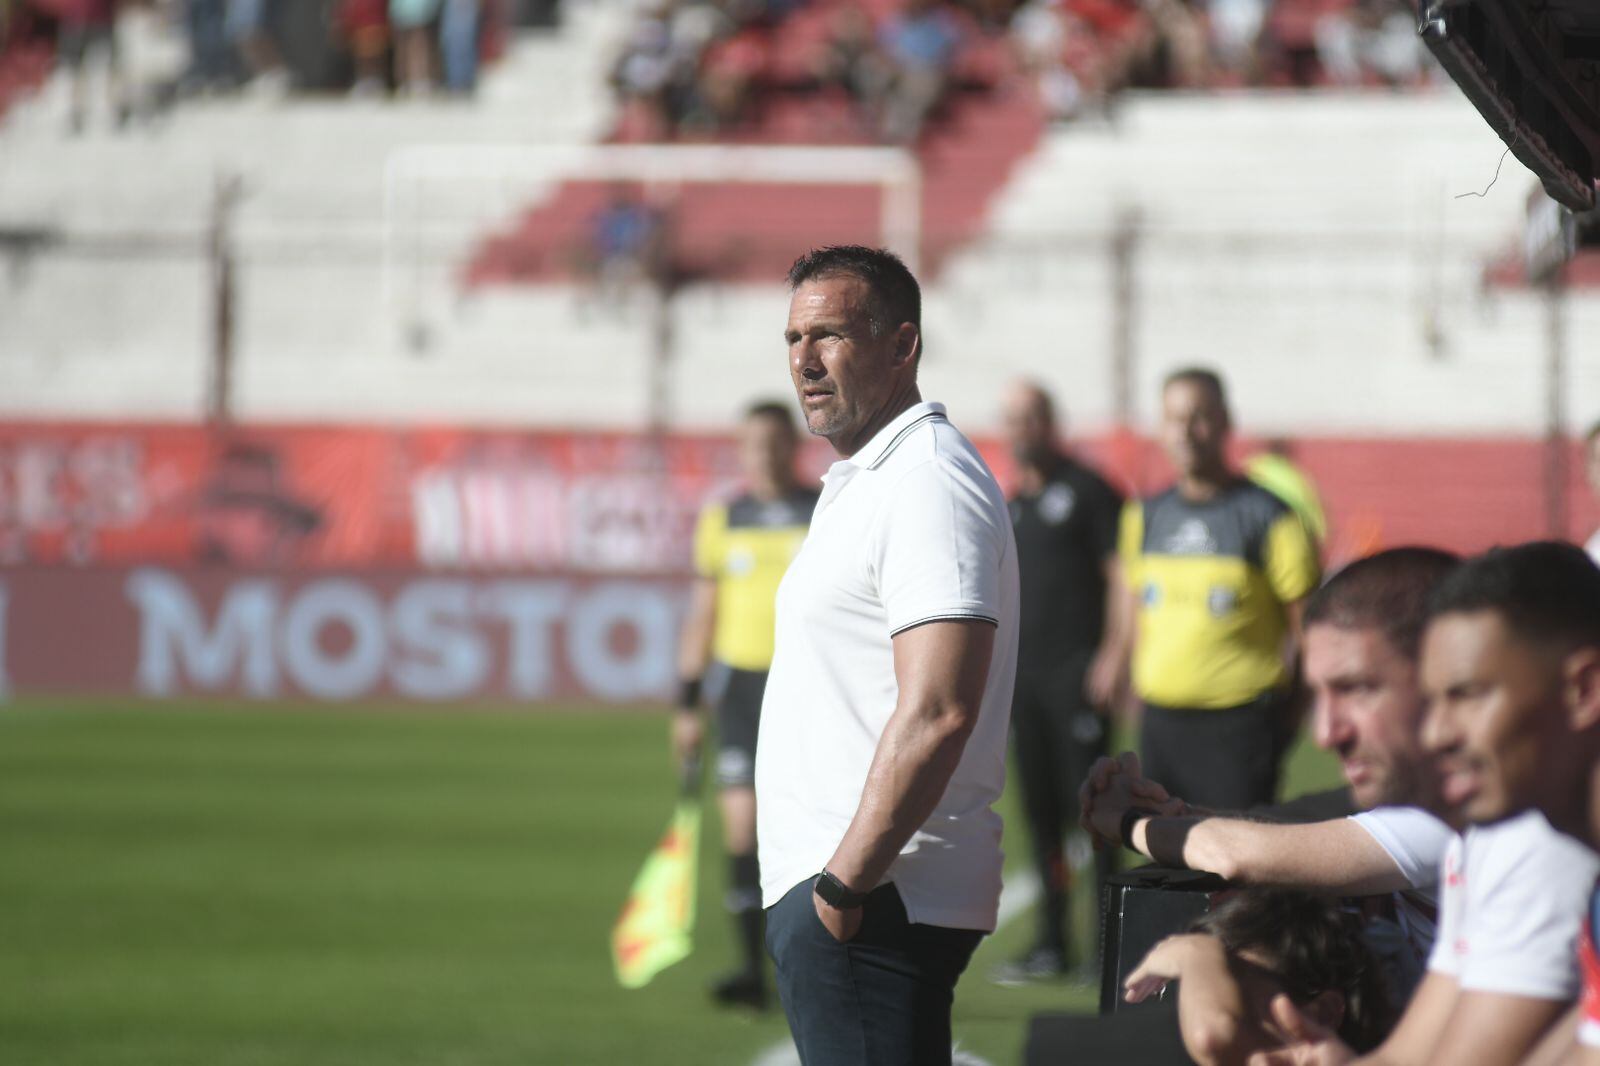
(1124, 319)
(219, 262)
(1555, 436)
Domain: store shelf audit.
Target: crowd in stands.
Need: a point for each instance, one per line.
(1085, 51)
(152, 52)
(704, 68)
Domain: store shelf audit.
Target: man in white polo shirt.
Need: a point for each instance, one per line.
(883, 728)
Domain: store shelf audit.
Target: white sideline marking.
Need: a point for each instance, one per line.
(1020, 892)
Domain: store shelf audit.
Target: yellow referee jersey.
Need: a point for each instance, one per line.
(745, 546)
(1212, 579)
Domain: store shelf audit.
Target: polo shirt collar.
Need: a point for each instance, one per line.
(889, 437)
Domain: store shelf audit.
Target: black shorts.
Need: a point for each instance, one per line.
(738, 715)
(1223, 759)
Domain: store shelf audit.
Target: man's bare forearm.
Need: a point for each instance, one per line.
(915, 759)
(1332, 856)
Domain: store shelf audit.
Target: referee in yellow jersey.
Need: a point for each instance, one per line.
(741, 549)
(1215, 569)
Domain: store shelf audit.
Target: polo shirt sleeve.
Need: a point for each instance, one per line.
(1290, 559)
(708, 540)
(939, 548)
(1413, 838)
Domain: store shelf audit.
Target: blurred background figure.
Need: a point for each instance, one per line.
(1215, 569)
(742, 547)
(921, 43)
(1064, 516)
(247, 25)
(415, 59)
(87, 45)
(851, 63)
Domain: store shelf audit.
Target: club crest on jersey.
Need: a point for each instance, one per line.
(1222, 600)
(1056, 503)
(1192, 537)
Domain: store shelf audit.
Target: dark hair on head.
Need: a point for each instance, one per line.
(895, 295)
(1203, 376)
(1547, 592)
(1310, 946)
(1388, 591)
(776, 410)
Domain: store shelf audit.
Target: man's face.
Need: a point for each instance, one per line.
(844, 375)
(1194, 427)
(1495, 722)
(766, 451)
(1368, 709)
(1029, 429)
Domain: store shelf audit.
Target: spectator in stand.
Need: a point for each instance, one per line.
(413, 45)
(1039, 33)
(459, 23)
(246, 26)
(724, 83)
(87, 30)
(1371, 38)
(627, 247)
(212, 64)
(646, 72)
(921, 43)
(365, 26)
(1235, 31)
(851, 62)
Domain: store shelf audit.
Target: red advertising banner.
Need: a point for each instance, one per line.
(347, 563)
(338, 636)
(340, 497)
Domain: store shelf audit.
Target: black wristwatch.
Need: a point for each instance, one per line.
(835, 893)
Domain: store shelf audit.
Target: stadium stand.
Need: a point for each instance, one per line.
(1322, 248)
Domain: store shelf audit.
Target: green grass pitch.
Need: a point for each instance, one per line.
(235, 886)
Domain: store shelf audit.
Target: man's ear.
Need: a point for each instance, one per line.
(907, 344)
(1327, 1009)
(1581, 689)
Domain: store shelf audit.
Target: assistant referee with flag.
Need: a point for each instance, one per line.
(742, 546)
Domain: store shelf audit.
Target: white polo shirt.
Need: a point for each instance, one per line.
(1514, 899)
(910, 529)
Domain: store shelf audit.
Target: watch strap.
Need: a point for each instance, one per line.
(836, 894)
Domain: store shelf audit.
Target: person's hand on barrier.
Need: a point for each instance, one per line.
(688, 733)
(1307, 1042)
(1112, 787)
(842, 924)
(1096, 781)
(1167, 961)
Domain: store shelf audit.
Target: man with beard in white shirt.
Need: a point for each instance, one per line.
(1511, 667)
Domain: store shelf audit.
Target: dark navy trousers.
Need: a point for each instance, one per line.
(883, 998)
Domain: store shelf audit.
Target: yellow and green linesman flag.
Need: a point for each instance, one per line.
(656, 926)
